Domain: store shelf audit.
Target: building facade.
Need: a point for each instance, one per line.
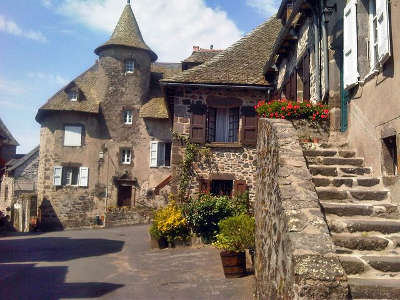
(213, 105)
(105, 137)
(8, 147)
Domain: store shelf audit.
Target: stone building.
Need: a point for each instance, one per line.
(213, 104)
(199, 56)
(105, 137)
(18, 190)
(8, 146)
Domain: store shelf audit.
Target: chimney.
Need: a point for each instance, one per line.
(211, 47)
(196, 48)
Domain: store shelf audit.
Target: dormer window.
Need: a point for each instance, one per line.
(73, 96)
(129, 66)
(128, 117)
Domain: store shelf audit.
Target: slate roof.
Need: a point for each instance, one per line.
(166, 69)
(87, 102)
(6, 135)
(242, 63)
(156, 108)
(202, 56)
(16, 163)
(127, 33)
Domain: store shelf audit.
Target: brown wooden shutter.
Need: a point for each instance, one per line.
(240, 187)
(204, 186)
(306, 78)
(249, 130)
(198, 128)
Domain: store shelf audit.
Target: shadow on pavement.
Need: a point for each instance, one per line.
(53, 249)
(36, 283)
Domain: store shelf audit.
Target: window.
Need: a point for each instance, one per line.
(73, 96)
(126, 156)
(222, 187)
(128, 117)
(379, 39)
(223, 125)
(73, 135)
(70, 176)
(304, 74)
(160, 154)
(129, 66)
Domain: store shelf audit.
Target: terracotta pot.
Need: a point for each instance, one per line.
(234, 264)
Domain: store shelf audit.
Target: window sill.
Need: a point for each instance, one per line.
(224, 145)
(161, 167)
(370, 75)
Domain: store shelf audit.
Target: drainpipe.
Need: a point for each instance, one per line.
(316, 52)
(325, 51)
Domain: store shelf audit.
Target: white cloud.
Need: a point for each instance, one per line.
(11, 88)
(170, 28)
(264, 7)
(11, 104)
(50, 78)
(47, 3)
(11, 27)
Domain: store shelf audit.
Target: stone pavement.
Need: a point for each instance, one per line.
(111, 264)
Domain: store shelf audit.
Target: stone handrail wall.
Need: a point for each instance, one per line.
(295, 255)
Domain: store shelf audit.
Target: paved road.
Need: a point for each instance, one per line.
(111, 264)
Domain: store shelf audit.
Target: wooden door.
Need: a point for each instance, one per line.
(124, 196)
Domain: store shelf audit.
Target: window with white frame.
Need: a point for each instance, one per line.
(128, 117)
(73, 95)
(160, 154)
(129, 66)
(70, 176)
(379, 37)
(73, 135)
(126, 156)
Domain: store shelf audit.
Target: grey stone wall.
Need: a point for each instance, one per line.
(236, 162)
(123, 217)
(295, 256)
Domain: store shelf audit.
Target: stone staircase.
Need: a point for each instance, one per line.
(364, 224)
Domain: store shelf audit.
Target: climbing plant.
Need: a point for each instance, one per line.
(193, 154)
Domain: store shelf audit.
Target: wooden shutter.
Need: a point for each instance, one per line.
(382, 15)
(350, 45)
(153, 154)
(212, 123)
(83, 176)
(240, 187)
(198, 128)
(73, 136)
(306, 77)
(293, 86)
(249, 130)
(57, 175)
(204, 186)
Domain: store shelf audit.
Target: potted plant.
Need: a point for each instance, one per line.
(236, 234)
(157, 240)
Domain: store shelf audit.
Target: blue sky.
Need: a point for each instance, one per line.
(47, 43)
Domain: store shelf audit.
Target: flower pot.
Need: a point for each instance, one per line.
(160, 243)
(234, 264)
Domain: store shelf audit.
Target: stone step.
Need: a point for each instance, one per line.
(350, 209)
(340, 161)
(370, 224)
(324, 181)
(352, 265)
(347, 153)
(323, 170)
(369, 195)
(315, 153)
(331, 193)
(383, 263)
(360, 242)
(371, 288)
(355, 170)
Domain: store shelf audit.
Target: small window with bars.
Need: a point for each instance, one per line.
(129, 66)
(128, 117)
(126, 156)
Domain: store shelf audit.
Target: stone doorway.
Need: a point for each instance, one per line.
(124, 196)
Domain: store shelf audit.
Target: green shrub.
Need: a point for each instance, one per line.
(236, 234)
(204, 213)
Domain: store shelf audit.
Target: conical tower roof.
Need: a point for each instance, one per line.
(127, 33)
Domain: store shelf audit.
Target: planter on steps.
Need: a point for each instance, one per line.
(160, 243)
(234, 264)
